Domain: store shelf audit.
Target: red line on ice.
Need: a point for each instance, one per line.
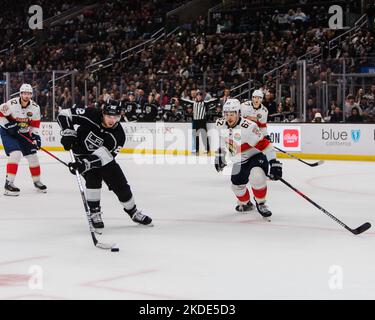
(134, 274)
(8, 280)
(22, 260)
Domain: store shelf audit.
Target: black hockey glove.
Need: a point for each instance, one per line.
(268, 137)
(276, 170)
(68, 139)
(220, 162)
(36, 139)
(82, 165)
(12, 128)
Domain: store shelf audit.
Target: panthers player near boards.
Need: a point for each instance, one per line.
(95, 144)
(21, 115)
(251, 154)
(255, 111)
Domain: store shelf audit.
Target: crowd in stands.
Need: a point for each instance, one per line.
(250, 19)
(14, 19)
(216, 58)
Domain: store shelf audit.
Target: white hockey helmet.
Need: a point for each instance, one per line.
(232, 105)
(26, 88)
(258, 93)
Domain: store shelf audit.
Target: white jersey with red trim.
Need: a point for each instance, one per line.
(244, 140)
(28, 118)
(259, 115)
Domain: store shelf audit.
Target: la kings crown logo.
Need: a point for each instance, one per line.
(93, 142)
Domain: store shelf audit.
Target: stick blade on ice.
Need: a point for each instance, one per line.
(362, 228)
(105, 246)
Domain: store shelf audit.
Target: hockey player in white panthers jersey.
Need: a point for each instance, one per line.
(254, 110)
(252, 155)
(18, 116)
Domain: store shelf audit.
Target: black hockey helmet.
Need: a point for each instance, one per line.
(112, 108)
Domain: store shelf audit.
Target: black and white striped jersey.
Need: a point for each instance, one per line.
(199, 108)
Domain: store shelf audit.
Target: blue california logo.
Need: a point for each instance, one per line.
(356, 135)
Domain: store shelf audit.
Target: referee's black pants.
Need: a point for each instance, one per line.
(200, 128)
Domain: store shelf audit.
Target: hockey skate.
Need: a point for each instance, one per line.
(263, 210)
(40, 187)
(10, 189)
(244, 208)
(141, 218)
(96, 218)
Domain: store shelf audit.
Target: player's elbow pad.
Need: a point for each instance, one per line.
(270, 152)
(104, 155)
(64, 119)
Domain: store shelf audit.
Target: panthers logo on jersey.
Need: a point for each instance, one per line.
(233, 147)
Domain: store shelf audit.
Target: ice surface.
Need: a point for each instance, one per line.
(199, 248)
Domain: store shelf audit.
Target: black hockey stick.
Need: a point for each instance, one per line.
(46, 151)
(87, 209)
(315, 164)
(360, 229)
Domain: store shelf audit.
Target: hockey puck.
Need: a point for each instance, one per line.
(115, 249)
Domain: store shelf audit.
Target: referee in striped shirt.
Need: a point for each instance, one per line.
(200, 119)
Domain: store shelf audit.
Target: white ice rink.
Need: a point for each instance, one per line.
(199, 248)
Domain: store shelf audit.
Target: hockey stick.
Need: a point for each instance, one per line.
(356, 231)
(86, 206)
(46, 151)
(315, 164)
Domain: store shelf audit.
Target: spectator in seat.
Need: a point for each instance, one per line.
(269, 102)
(318, 118)
(311, 108)
(188, 116)
(140, 97)
(291, 115)
(219, 90)
(173, 115)
(65, 100)
(215, 112)
(225, 96)
(354, 117)
(371, 94)
(360, 95)
(299, 17)
(350, 104)
(281, 20)
(369, 112)
(278, 116)
(336, 117)
(287, 103)
(331, 111)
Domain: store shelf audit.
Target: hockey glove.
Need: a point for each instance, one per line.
(84, 164)
(268, 137)
(220, 162)
(276, 170)
(12, 128)
(68, 139)
(36, 140)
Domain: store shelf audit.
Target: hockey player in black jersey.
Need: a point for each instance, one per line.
(150, 110)
(95, 144)
(132, 109)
